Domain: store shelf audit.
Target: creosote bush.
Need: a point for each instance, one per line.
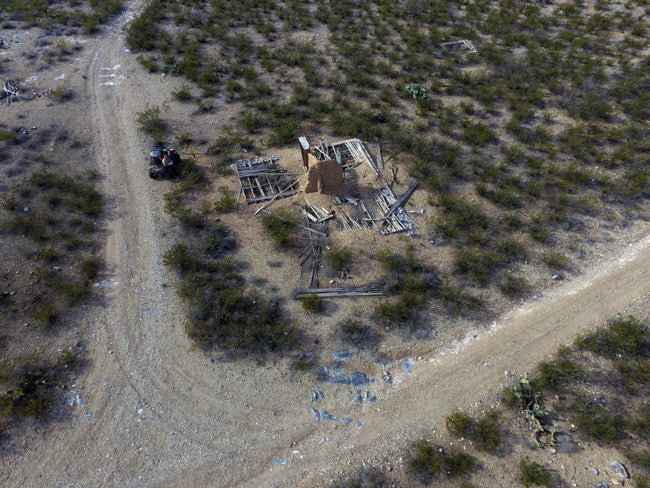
(311, 303)
(533, 473)
(227, 203)
(338, 257)
(459, 424)
(34, 384)
(150, 122)
(412, 282)
(223, 312)
(624, 337)
(426, 461)
(280, 226)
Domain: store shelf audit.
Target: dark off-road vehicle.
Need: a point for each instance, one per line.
(163, 163)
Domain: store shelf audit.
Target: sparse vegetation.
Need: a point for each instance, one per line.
(534, 474)
(36, 385)
(338, 257)
(87, 15)
(37, 206)
(411, 282)
(312, 303)
(227, 203)
(223, 312)
(280, 226)
(150, 122)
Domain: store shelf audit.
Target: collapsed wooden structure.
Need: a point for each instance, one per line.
(349, 154)
(264, 179)
(456, 45)
(387, 214)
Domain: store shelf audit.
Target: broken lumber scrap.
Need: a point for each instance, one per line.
(338, 292)
(264, 179)
(401, 201)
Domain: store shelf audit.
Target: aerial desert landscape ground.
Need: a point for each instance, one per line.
(401, 243)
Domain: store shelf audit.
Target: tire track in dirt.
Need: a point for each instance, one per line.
(474, 369)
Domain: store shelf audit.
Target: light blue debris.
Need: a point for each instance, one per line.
(88, 414)
(325, 415)
(316, 414)
(370, 398)
(283, 462)
(618, 468)
(357, 378)
(316, 394)
(342, 355)
(360, 379)
(407, 363)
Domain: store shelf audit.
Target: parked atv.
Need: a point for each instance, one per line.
(163, 163)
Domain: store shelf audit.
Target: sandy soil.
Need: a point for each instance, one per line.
(156, 413)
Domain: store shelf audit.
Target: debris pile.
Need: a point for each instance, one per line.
(456, 45)
(394, 218)
(264, 179)
(11, 92)
(348, 154)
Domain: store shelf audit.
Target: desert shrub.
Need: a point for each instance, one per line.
(354, 331)
(457, 300)
(478, 134)
(227, 203)
(284, 132)
(36, 385)
(366, 477)
(595, 421)
(302, 361)
(411, 282)
(30, 226)
(534, 474)
(143, 33)
(338, 257)
(555, 260)
(183, 94)
(280, 226)
(148, 63)
(553, 374)
(459, 424)
(460, 215)
(222, 312)
(403, 310)
(624, 337)
(640, 458)
(90, 267)
(424, 460)
(514, 286)
(182, 259)
(487, 433)
(150, 123)
(478, 264)
(46, 313)
(458, 463)
(538, 230)
(61, 93)
(311, 302)
(8, 136)
(47, 255)
(635, 374)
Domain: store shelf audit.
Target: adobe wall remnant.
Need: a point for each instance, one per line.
(323, 176)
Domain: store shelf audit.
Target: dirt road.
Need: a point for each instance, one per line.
(154, 413)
